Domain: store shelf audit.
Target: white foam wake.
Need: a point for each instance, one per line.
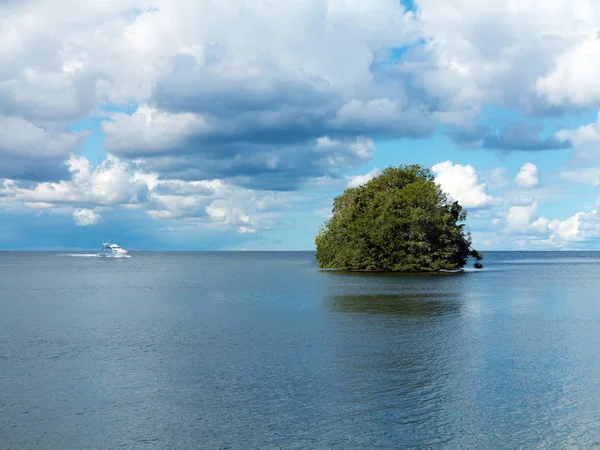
(95, 255)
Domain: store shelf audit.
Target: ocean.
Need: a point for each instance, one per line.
(261, 350)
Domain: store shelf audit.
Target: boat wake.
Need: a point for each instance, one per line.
(96, 255)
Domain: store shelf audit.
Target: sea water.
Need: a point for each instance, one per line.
(263, 350)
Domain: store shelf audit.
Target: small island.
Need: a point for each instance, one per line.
(400, 221)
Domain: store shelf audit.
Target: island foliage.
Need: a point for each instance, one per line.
(400, 221)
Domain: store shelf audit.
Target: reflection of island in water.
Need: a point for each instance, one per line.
(393, 354)
(398, 304)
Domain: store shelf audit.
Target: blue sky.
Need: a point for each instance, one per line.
(198, 125)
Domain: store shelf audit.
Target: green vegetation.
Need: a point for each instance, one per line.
(400, 221)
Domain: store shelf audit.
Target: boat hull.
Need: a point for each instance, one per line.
(112, 251)
(113, 254)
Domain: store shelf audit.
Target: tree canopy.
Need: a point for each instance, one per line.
(400, 221)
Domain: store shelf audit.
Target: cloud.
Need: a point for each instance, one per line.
(109, 184)
(523, 136)
(516, 136)
(520, 200)
(149, 132)
(527, 177)
(573, 80)
(523, 219)
(469, 137)
(581, 227)
(216, 113)
(217, 204)
(86, 217)
(227, 89)
(588, 175)
(525, 223)
(208, 89)
(462, 184)
(118, 184)
(496, 178)
(221, 107)
(359, 180)
(186, 146)
(583, 135)
(31, 152)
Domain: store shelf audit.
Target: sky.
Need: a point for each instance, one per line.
(233, 124)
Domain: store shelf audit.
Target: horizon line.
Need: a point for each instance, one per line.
(257, 251)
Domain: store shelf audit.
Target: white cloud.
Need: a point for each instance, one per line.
(151, 130)
(236, 111)
(462, 184)
(30, 151)
(86, 217)
(19, 137)
(588, 175)
(520, 200)
(215, 93)
(584, 135)
(495, 51)
(118, 184)
(359, 180)
(335, 153)
(109, 184)
(525, 220)
(573, 80)
(580, 227)
(220, 78)
(527, 177)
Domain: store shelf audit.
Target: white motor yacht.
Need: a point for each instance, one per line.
(112, 250)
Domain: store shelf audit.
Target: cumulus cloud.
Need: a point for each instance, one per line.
(523, 136)
(523, 223)
(86, 217)
(32, 152)
(573, 80)
(462, 184)
(523, 219)
(207, 85)
(218, 204)
(118, 184)
(231, 83)
(516, 136)
(184, 146)
(583, 135)
(109, 184)
(149, 132)
(499, 50)
(216, 112)
(580, 227)
(527, 177)
(224, 108)
(359, 180)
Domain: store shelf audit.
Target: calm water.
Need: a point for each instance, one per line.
(262, 350)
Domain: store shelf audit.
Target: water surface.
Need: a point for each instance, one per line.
(263, 350)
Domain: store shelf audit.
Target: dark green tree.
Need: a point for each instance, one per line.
(400, 221)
